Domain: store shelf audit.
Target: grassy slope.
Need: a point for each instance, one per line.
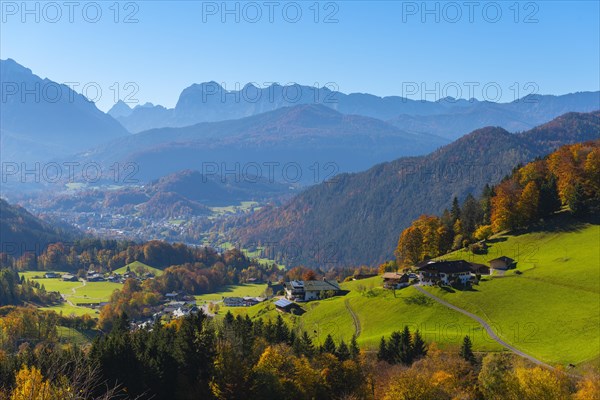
(136, 264)
(379, 313)
(93, 292)
(250, 290)
(552, 310)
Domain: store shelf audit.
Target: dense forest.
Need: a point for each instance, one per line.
(569, 178)
(239, 358)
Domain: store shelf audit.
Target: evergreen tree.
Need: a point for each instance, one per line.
(342, 352)
(576, 200)
(486, 204)
(419, 346)
(354, 349)
(121, 324)
(471, 215)
(307, 345)
(549, 199)
(382, 353)
(394, 348)
(328, 345)
(466, 350)
(406, 346)
(455, 210)
(281, 330)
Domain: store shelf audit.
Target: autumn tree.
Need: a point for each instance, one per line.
(410, 246)
(527, 206)
(504, 206)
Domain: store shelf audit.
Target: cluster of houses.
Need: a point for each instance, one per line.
(446, 272)
(93, 276)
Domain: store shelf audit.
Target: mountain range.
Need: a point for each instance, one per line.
(447, 117)
(296, 141)
(357, 218)
(316, 128)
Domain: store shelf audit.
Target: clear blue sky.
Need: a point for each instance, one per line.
(374, 47)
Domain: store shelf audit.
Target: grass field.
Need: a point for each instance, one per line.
(136, 264)
(551, 310)
(379, 313)
(75, 292)
(68, 310)
(246, 290)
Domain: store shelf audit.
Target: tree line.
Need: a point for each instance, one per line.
(568, 178)
(242, 358)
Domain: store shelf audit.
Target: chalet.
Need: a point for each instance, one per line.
(394, 280)
(69, 278)
(51, 275)
(309, 290)
(502, 263)
(446, 272)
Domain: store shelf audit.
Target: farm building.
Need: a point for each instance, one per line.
(51, 275)
(358, 277)
(394, 280)
(446, 272)
(241, 301)
(309, 290)
(284, 305)
(69, 278)
(502, 263)
(233, 301)
(480, 269)
(95, 278)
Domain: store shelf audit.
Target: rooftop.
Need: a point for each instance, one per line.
(283, 303)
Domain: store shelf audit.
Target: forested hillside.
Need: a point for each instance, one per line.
(22, 232)
(357, 218)
(568, 177)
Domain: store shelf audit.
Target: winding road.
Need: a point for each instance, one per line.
(485, 325)
(74, 290)
(357, 327)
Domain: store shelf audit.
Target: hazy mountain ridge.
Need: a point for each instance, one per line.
(304, 134)
(446, 117)
(42, 119)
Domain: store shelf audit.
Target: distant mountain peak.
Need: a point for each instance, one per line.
(120, 109)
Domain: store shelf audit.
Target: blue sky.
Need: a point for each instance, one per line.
(384, 48)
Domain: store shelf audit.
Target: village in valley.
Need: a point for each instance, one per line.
(288, 297)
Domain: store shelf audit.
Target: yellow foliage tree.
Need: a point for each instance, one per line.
(31, 385)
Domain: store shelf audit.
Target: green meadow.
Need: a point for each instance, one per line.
(549, 306)
(245, 290)
(135, 265)
(379, 312)
(552, 308)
